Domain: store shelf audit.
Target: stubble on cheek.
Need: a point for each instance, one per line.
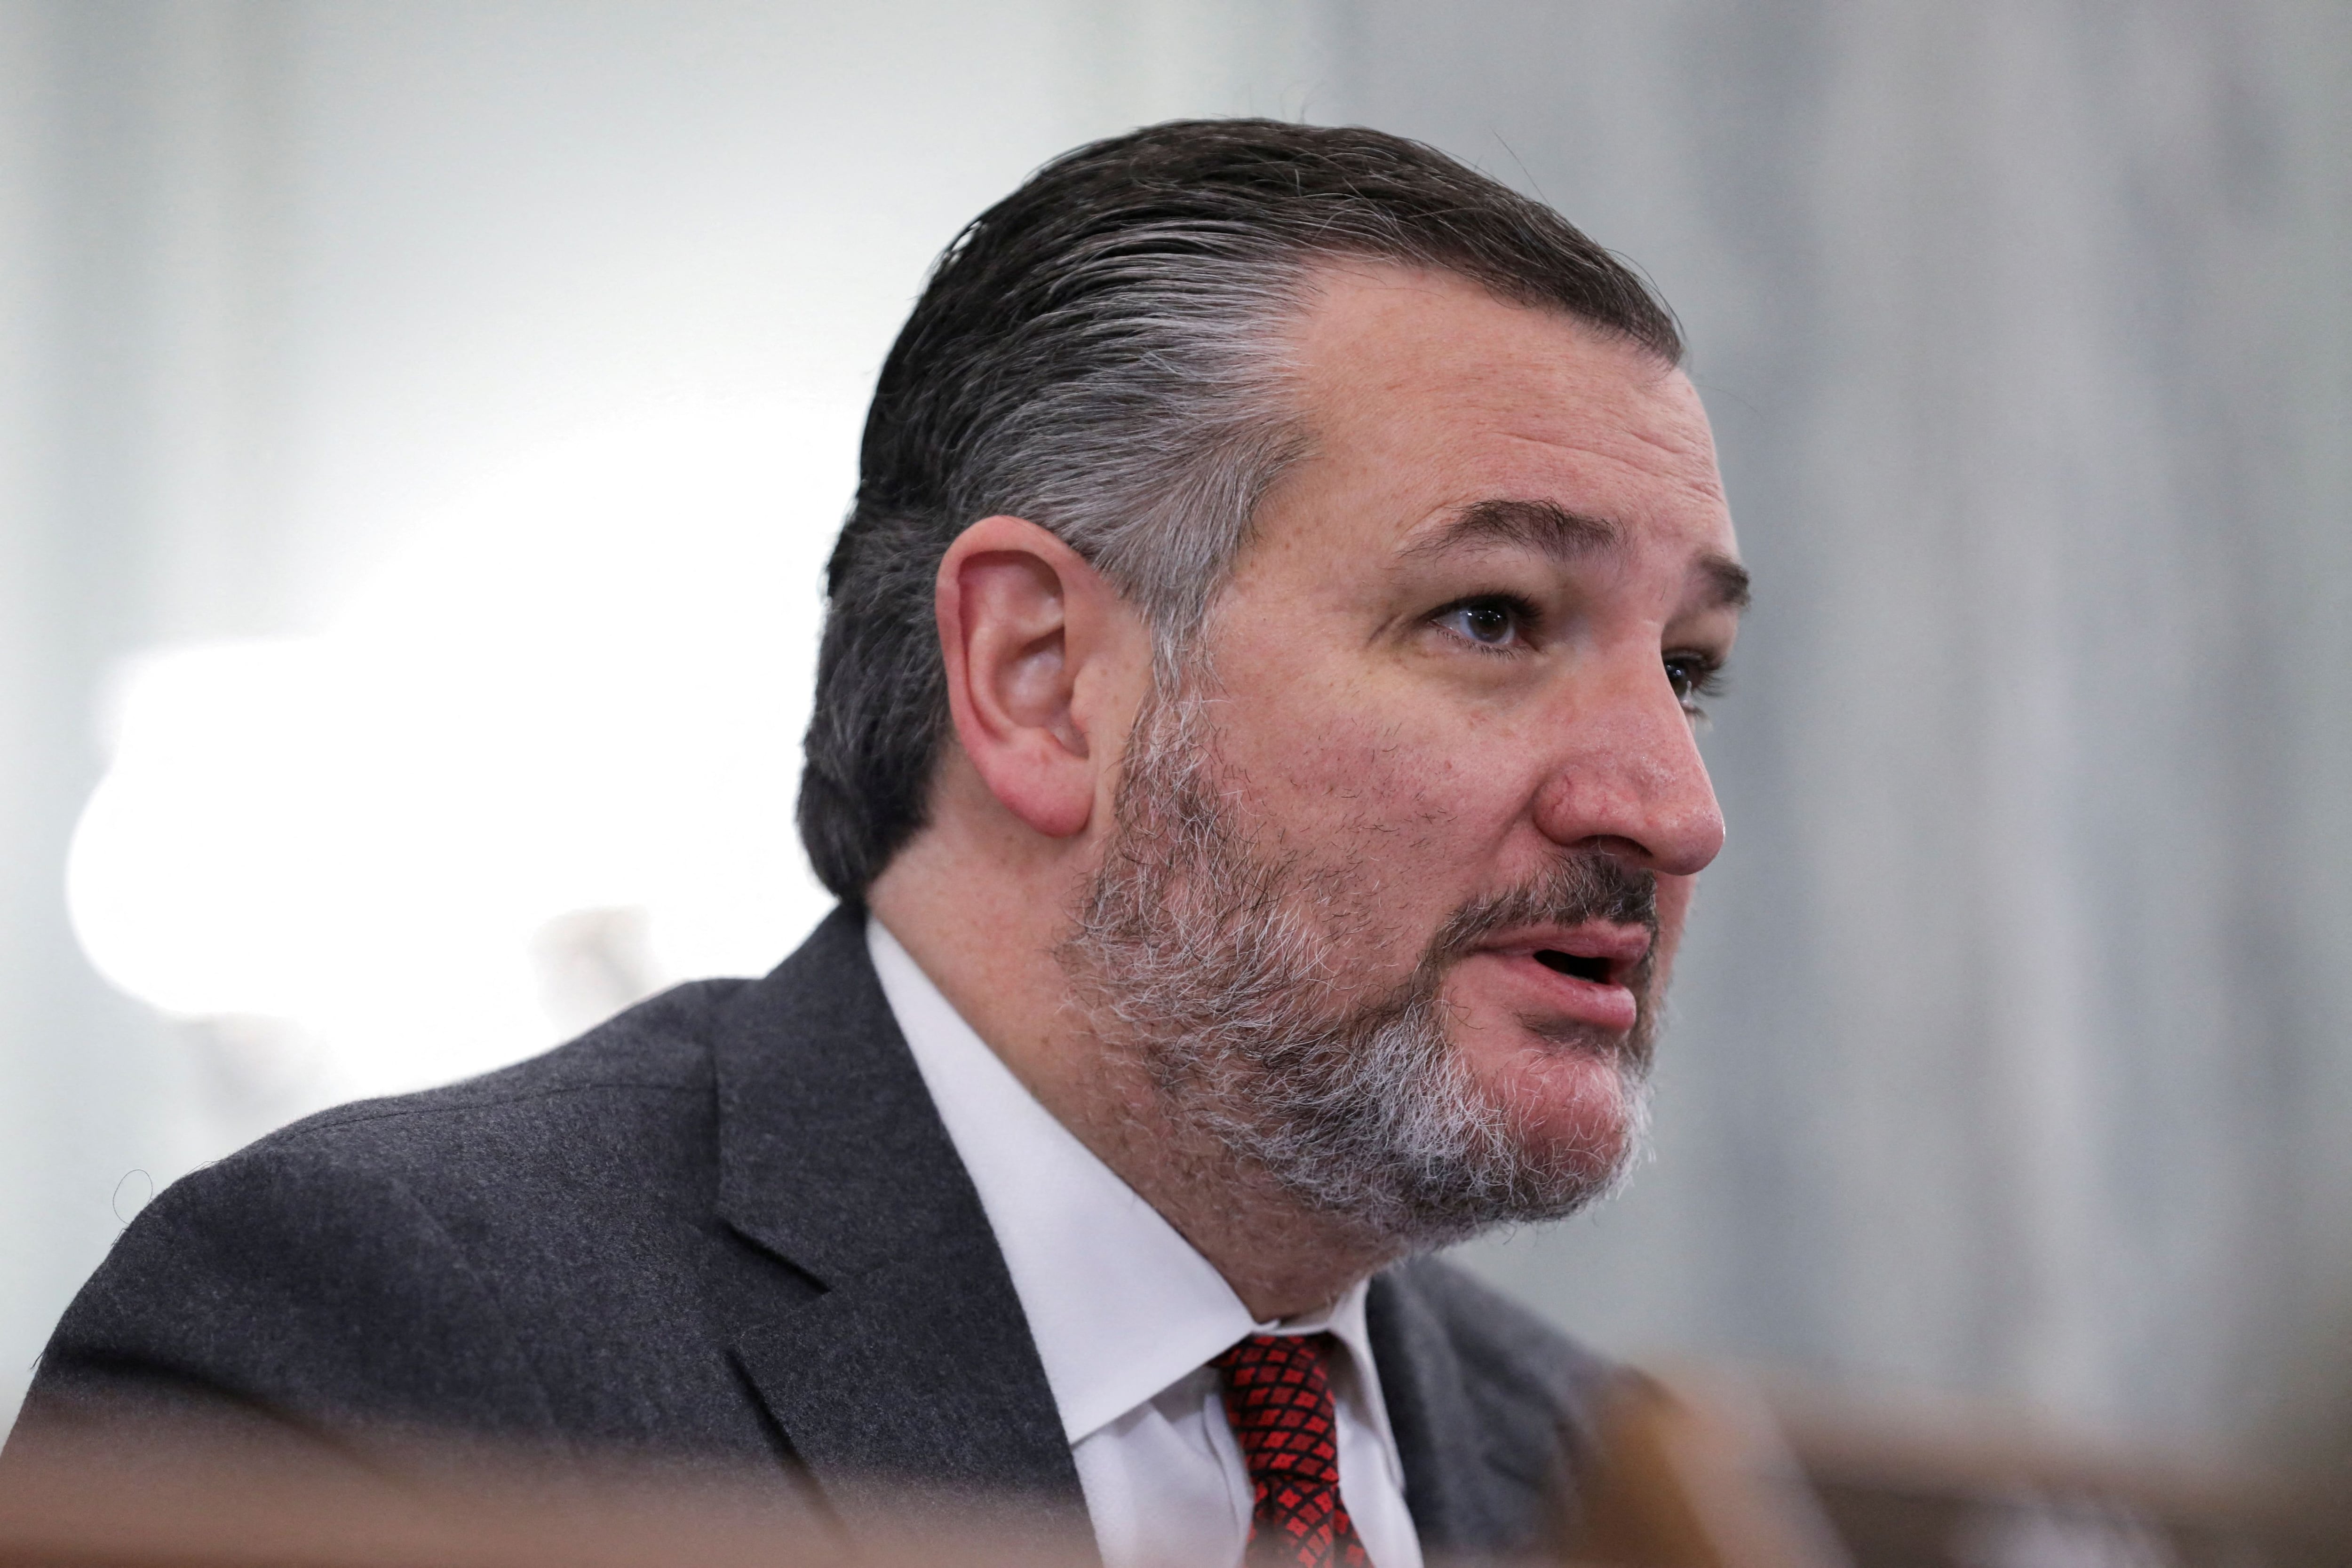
(1276, 961)
(1573, 1090)
(1367, 823)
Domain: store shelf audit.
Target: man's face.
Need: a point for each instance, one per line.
(1450, 696)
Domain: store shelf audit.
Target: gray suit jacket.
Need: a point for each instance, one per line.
(728, 1223)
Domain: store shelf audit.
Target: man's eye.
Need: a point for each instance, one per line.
(1489, 622)
(1693, 676)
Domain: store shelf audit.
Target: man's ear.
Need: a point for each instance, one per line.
(1040, 652)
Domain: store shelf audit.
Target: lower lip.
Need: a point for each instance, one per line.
(1608, 1008)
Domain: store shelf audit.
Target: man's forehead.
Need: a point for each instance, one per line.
(1447, 415)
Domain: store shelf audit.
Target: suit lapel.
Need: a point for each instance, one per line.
(914, 1366)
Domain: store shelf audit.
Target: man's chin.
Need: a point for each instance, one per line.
(1573, 1104)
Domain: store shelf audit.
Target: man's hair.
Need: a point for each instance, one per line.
(1103, 353)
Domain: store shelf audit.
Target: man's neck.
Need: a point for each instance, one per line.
(987, 941)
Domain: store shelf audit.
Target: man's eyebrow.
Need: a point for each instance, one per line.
(1728, 578)
(1565, 535)
(1536, 525)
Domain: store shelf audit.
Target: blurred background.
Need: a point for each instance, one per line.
(422, 424)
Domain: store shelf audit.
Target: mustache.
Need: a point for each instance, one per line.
(1584, 886)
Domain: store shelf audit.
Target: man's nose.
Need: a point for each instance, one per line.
(1630, 781)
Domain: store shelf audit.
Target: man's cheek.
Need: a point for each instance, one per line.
(1358, 793)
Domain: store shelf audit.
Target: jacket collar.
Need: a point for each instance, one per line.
(914, 1367)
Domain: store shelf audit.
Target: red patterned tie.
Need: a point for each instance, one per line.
(1278, 1401)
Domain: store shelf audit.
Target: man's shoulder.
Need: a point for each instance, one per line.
(652, 1059)
(458, 1258)
(618, 1126)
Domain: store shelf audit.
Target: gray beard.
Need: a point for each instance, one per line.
(1221, 970)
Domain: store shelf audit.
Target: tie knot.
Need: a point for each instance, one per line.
(1278, 1403)
(1278, 1400)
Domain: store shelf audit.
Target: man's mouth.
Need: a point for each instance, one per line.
(1589, 974)
(1596, 970)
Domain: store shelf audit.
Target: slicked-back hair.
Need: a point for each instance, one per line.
(1104, 353)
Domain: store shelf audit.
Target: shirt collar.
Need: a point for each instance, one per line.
(1119, 1304)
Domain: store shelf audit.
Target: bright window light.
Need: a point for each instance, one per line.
(546, 762)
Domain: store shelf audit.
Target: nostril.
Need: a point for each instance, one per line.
(1593, 969)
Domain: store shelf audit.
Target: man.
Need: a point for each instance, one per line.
(1253, 748)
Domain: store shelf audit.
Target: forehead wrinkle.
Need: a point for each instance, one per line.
(1688, 453)
(1542, 526)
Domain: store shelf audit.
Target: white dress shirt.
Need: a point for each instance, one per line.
(1126, 1316)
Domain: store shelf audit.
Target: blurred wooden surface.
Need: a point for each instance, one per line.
(200, 1497)
(1692, 1473)
(1712, 1474)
